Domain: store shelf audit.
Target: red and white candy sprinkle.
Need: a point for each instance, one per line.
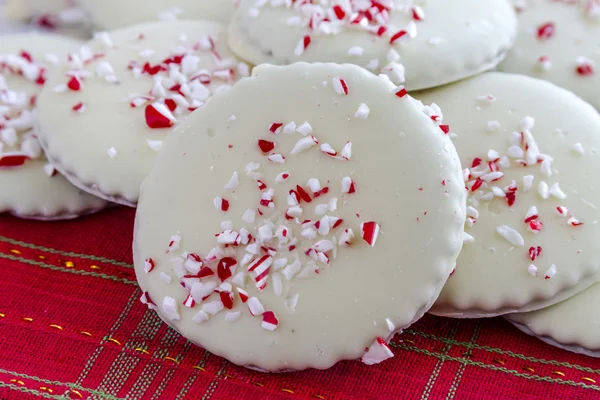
(379, 351)
(340, 86)
(369, 231)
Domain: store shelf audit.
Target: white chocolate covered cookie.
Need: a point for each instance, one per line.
(420, 44)
(30, 187)
(530, 150)
(301, 219)
(112, 14)
(104, 117)
(559, 41)
(573, 324)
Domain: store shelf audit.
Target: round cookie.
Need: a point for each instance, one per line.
(330, 207)
(103, 118)
(573, 324)
(417, 44)
(531, 154)
(559, 42)
(112, 14)
(30, 186)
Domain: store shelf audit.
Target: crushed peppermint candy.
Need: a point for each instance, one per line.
(268, 251)
(18, 143)
(379, 351)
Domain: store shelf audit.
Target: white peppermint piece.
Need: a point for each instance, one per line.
(233, 183)
(511, 235)
(155, 145)
(362, 112)
(170, 308)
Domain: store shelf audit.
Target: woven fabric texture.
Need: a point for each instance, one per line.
(71, 327)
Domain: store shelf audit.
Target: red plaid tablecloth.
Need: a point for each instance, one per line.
(71, 327)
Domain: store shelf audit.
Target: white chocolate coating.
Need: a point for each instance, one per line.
(27, 190)
(573, 324)
(496, 273)
(570, 42)
(108, 147)
(113, 14)
(454, 40)
(399, 159)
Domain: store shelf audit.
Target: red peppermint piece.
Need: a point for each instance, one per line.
(303, 194)
(170, 103)
(13, 159)
(321, 192)
(339, 11)
(152, 70)
(79, 107)
(476, 162)
(155, 119)
(205, 272)
(340, 86)
(401, 92)
(26, 56)
(148, 265)
(226, 299)
(243, 295)
(337, 223)
(397, 36)
(369, 232)
(258, 262)
(265, 145)
(145, 299)
(534, 252)
(74, 84)
(535, 225)
(545, 31)
(225, 268)
(477, 184)
(270, 321)
(417, 13)
(511, 197)
(276, 127)
(585, 69)
(445, 129)
(46, 21)
(261, 185)
(306, 42)
(189, 301)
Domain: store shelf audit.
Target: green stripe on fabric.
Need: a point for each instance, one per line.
(58, 383)
(64, 253)
(68, 270)
(462, 367)
(89, 364)
(125, 362)
(23, 389)
(165, 381)
(440, 364)
(496, 368)
(212, 387)
(503, 352)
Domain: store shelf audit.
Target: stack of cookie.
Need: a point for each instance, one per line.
(367, 170)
